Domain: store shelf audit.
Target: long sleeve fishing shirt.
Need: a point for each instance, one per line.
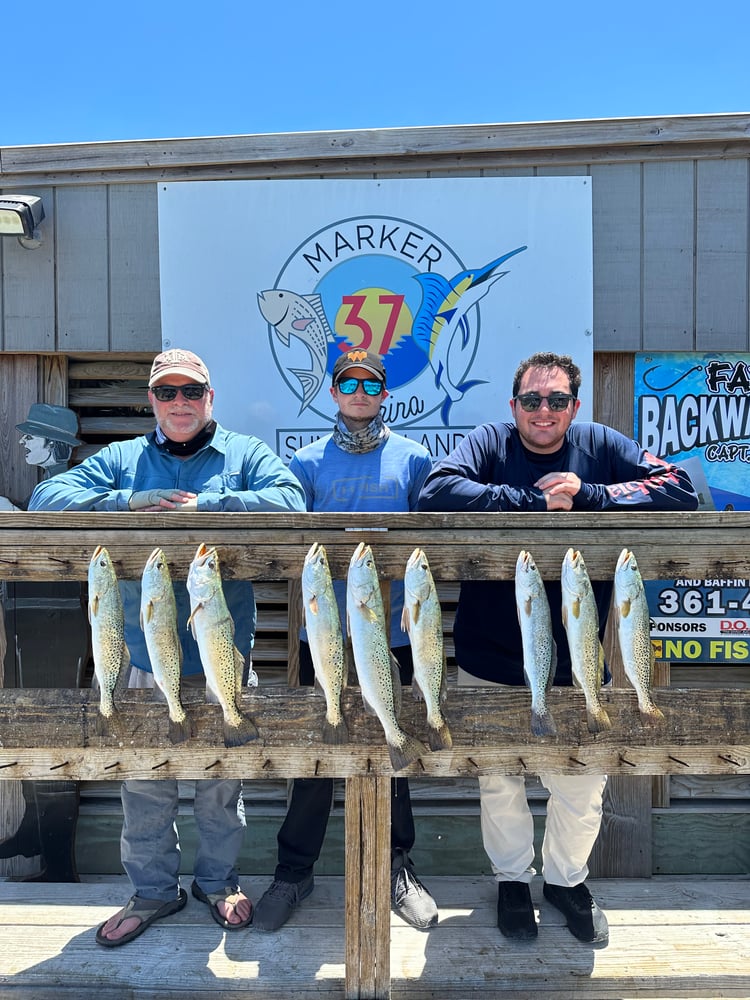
(233, 472)
(491, 470)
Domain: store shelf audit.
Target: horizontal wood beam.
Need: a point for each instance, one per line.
(58, 546)
(58, 733)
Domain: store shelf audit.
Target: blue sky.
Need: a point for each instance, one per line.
(92, 71)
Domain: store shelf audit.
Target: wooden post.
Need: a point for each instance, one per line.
(367, 822)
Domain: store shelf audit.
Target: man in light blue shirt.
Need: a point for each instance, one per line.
(362, 466)
(188, 463)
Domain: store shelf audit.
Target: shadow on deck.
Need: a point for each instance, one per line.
(669, 937)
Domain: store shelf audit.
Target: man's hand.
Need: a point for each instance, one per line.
(559, 488)
(151, 500)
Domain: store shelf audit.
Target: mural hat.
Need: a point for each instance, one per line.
(57, 423)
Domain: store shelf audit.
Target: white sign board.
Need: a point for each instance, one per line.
(452, 281)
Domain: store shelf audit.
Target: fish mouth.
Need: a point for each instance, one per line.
(154, 557)
(360, 552)
(98, 551)
(313, 552)
(203, 554)
(625, 557)
(415, 558)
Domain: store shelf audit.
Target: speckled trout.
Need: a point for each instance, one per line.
(159, 624)
(213, 629)
(539, 647)
(423, 621)
(376, 666)
(323, 626)
(634, 633)
(581, 621)
(111, 655)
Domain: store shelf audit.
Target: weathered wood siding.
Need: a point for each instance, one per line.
(671, 203)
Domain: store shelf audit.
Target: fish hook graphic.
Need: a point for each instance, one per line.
(664, 388)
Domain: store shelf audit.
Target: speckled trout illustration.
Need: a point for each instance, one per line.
(423, 621)
(376, 666)
(213, 629)
(539, 648)
(634, 633)
(111, 655)
(159, 624)
(323, 626)
(581, 621)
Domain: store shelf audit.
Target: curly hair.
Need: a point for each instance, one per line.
(546, 359)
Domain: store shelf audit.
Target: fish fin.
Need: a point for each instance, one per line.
(575, 607)
(238, 736)
(149, 613)
(465, 386)
(179, 731)
(624, 608)
(542, 723)
(445, 410)
(368, 707)
(123, 675)
(239, 670)
(444, 682)
(317, 303)
(312, 606)
(190, 623)
(93, 606)
(396, 684)
(405, 619)
(367, 612)
(335, 735)
(597, 718)
(650, 713)
(406, 754)
(440, 739)
(552, 666)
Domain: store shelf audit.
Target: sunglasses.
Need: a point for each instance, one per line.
(531, 401)
(166, 393)
(371, 386)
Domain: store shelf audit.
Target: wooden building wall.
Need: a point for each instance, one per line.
(80, 316)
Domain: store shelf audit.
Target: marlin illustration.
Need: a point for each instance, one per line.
(442, 315)
(301, 316)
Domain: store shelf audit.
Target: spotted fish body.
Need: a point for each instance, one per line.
(539, 650)
(213, 629)
(159, 624)
(107, 620)
(323, 627)
(423, 621)
(376, 666)
(581, 621)
(634, 633)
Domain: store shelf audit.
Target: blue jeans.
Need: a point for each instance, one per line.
(150, 844)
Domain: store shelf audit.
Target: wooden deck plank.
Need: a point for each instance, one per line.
(669, 937)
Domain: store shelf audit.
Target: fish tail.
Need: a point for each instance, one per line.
(180, 729)
(597, 718)
(106, 703)
(335, 734)
(542, 723)
(237, 736)
(439, 737)
(405, 753)
(649, 711)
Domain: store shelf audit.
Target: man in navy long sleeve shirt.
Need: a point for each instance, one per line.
(541, 462)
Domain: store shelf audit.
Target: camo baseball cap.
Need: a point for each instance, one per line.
(359, 359)
(178, 362)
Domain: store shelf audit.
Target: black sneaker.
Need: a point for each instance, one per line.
(279, 902)
(585, 920)
(409, 898)
(515, 911)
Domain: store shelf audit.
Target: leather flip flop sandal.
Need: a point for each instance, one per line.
(229, 895)
(147, 911)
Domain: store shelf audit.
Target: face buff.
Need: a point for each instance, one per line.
(360, 442)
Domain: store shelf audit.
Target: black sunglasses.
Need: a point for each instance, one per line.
(166, 393)
(348, 386)
(531, 401)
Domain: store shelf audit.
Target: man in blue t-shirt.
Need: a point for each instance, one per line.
(362, 466)
(542, 461)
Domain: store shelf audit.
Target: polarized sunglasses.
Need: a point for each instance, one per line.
(192, 391)
(371, 386)
(531, 401)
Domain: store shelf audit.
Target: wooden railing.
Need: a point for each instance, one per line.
(58, 733)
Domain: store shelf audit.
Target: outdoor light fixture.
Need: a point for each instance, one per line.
(20, 216)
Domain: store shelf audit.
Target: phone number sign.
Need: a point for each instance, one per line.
(700, 621)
